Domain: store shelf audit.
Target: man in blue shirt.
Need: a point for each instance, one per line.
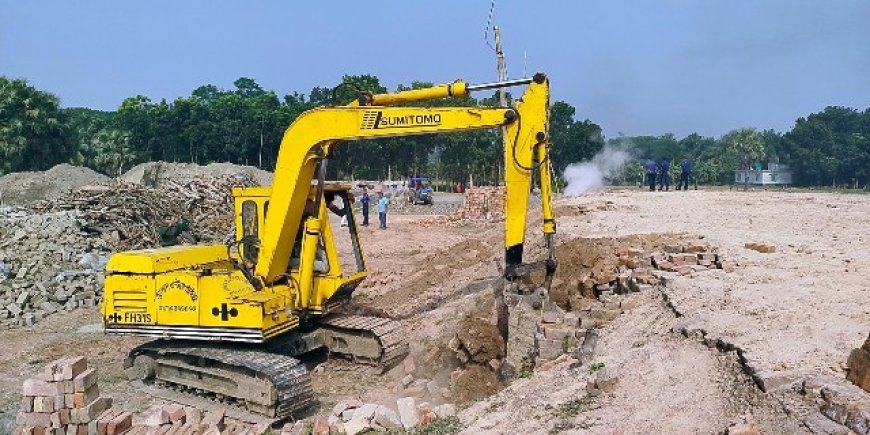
(382, 209)
(665, 180)
(650, 168)
(365, 206)
(685, 170)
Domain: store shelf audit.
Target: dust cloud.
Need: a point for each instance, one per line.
(589, 176)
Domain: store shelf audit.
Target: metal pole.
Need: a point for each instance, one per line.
(502, 77)
(502, 73)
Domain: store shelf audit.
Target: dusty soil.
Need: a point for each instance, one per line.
(481, 339)
(22, 188)
(801, 308)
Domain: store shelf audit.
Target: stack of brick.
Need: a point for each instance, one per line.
(859, 366)
(691, 258)
(484, 204)
(66, 400)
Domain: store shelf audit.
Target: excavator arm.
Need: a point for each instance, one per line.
(204, 296)
(312, 138)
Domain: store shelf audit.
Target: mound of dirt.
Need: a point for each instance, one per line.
(481, 339)
(21, 188)
(155, 174)
(476, 382)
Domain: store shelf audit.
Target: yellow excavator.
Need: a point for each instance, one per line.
(231, 320)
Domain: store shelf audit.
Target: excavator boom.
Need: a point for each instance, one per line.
(315, 134)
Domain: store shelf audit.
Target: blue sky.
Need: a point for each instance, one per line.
(635, 67)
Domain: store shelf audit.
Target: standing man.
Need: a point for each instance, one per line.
(665, 180)
(365, 206)
(382, 209)
(650, 168)
(685, 170)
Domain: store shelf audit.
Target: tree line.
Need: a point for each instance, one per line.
(828, 148)
(245, 125)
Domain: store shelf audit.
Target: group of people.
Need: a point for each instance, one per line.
(383, 202)
(661, 172)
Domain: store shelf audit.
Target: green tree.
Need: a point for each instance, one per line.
(33, 132)
(134, 118)
(744, 145)
(112, 152)
(830, 147)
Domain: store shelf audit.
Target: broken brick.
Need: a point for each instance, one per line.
(764, 248)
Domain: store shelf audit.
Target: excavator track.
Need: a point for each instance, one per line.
(269, 384)
(368, 340)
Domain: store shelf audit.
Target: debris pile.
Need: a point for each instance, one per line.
(157, 174)
(843, 407)
(22, 188)
(65, 398)
(351, 417)
(633, 270)
(593, 292)
(47, 264)
(53, 254)
(414, 384)
(176, 419)
(686, 259)
(128, 216)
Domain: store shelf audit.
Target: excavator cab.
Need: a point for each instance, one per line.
(338, 263)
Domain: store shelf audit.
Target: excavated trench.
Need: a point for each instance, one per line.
(668, 378)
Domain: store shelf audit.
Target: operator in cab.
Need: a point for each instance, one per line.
(321, 264)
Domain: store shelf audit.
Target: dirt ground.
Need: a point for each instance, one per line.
(802, 308)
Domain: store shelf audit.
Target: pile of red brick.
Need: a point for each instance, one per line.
(485, 204)
(65, 399)
(694, 257)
